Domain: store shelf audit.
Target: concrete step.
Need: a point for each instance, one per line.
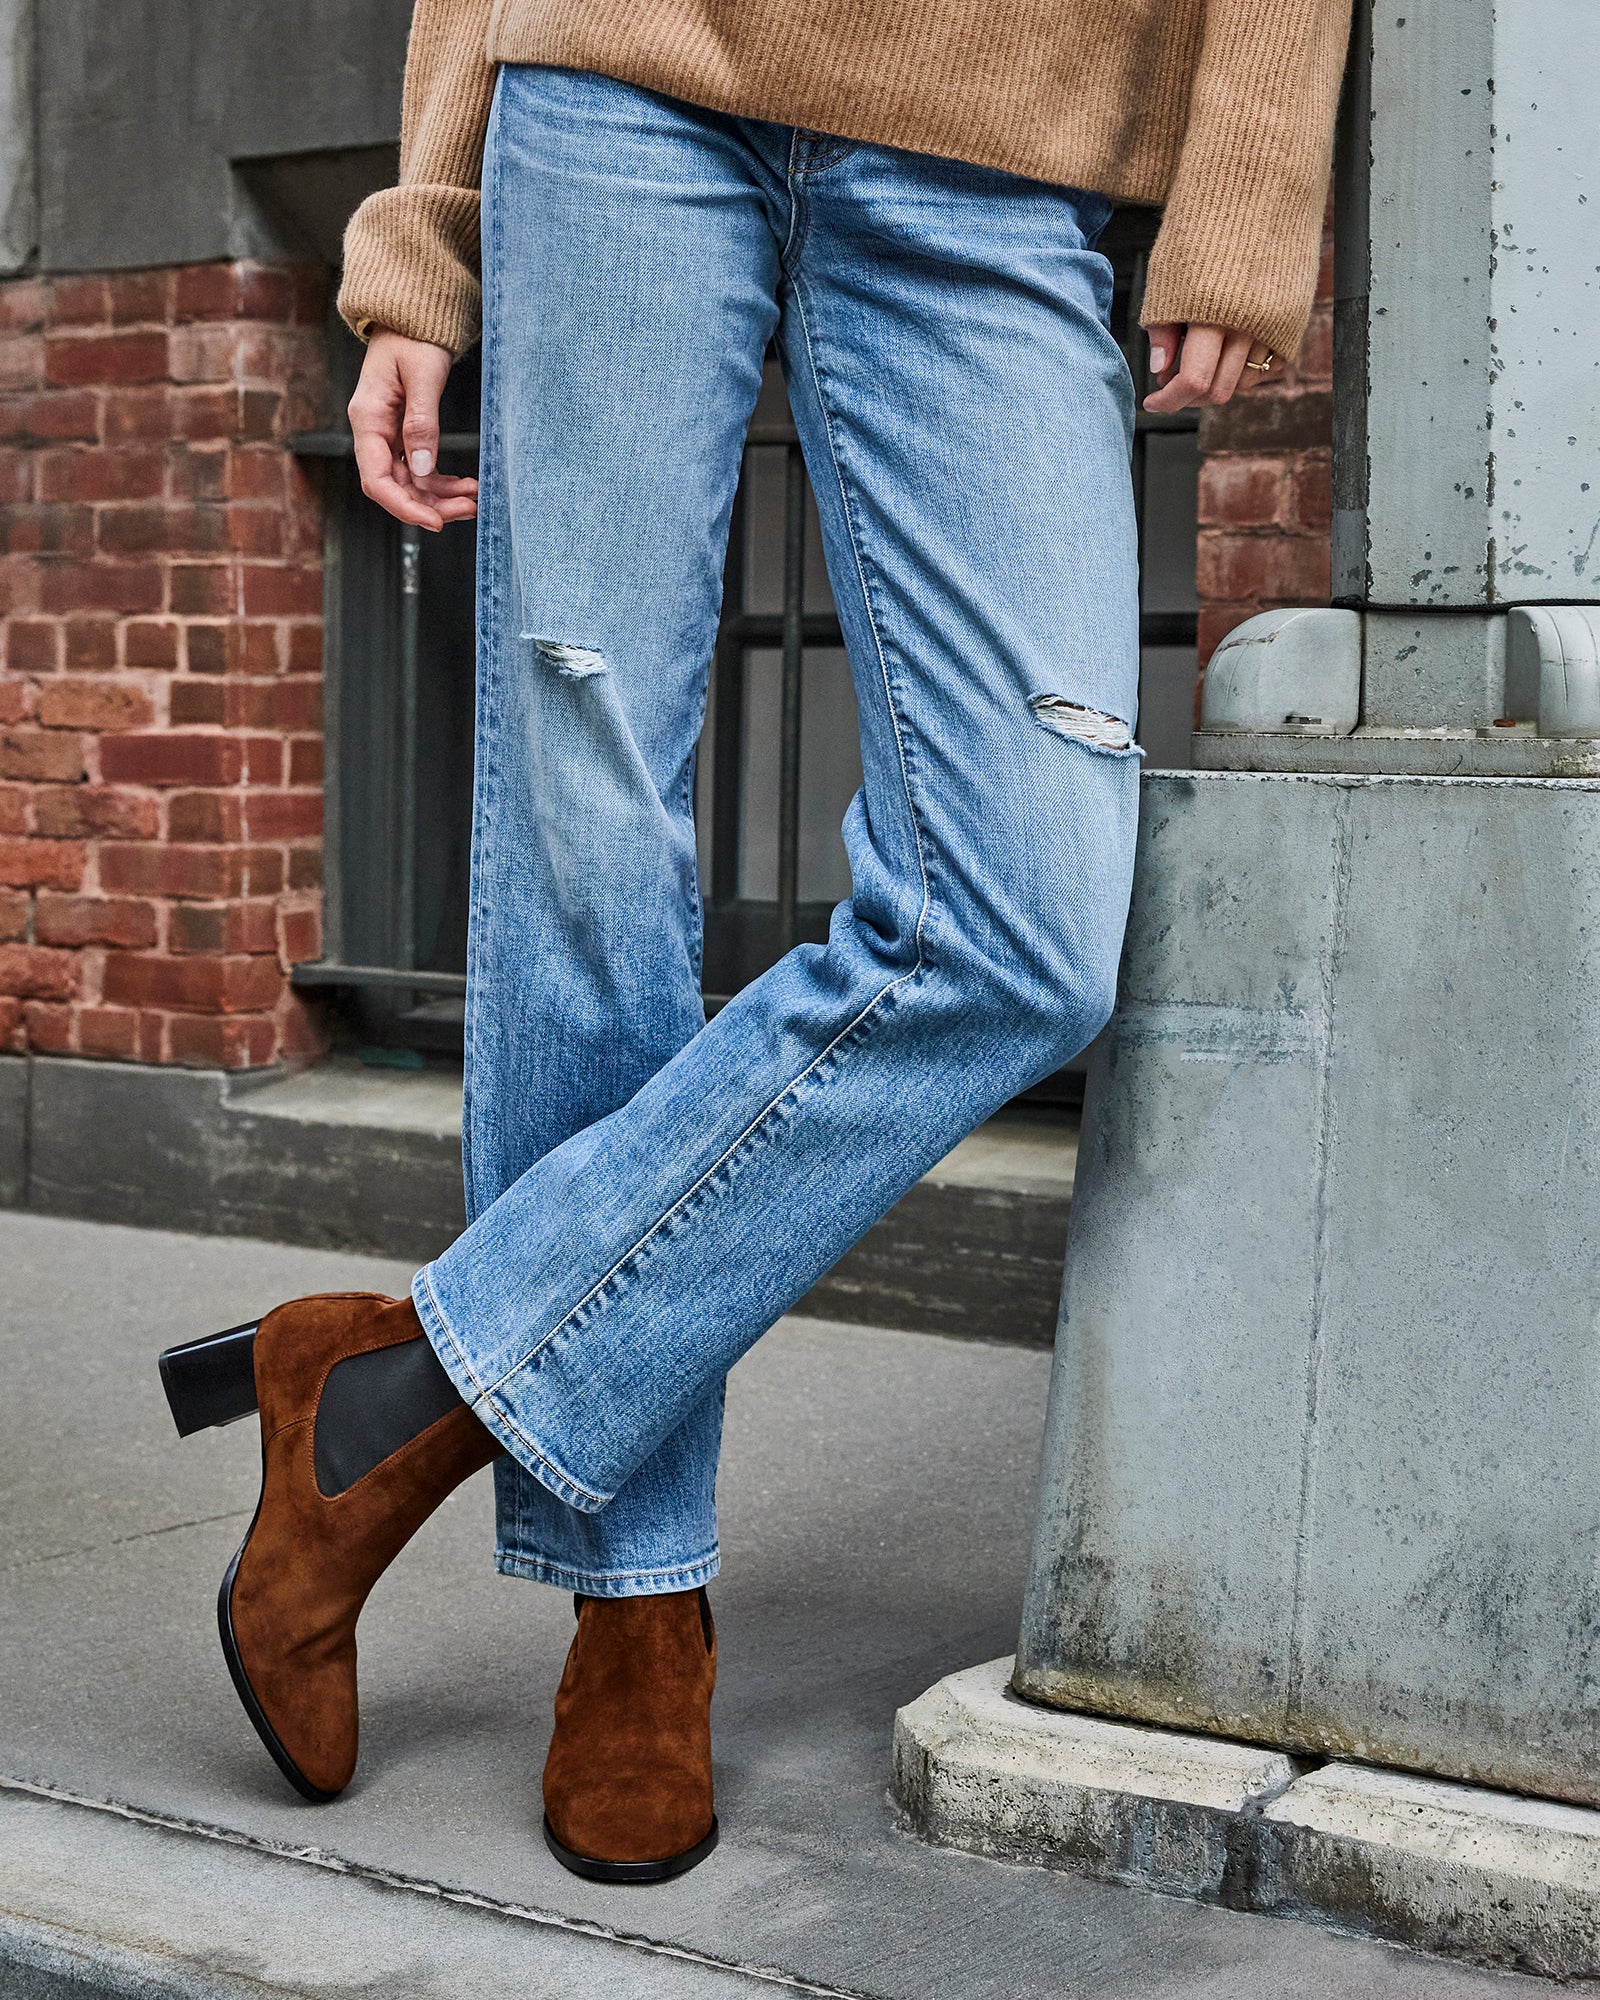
(347, 1157)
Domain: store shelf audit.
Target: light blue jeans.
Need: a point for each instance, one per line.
(648, 1192)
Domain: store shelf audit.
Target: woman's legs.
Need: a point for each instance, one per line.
(965, 415)
(631, 274)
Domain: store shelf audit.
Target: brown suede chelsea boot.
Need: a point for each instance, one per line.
(362, 1436)
(627, 1784)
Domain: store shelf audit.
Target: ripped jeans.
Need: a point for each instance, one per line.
(648, 1192)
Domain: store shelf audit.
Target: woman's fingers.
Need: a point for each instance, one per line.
(1197, 364)
(422, 369)
(1165, 339)
(1235, 353)
(1205, 364)
(394, 420)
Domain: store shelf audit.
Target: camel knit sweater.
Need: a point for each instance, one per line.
(1222, 110)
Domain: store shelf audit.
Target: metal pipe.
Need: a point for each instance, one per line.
(405, 792)
(727, 732)
(794, 585)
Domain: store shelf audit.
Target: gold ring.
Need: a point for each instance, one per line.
(1261, 367)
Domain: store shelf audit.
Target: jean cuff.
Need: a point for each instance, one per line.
(494, 1417)
(610, 1583)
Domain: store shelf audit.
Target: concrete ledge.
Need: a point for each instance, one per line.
(976, 1768)
(348, 1158)
(1457, 1869)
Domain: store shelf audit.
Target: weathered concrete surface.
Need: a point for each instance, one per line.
(143, 109)
(19, 187)
(974, 1767)
(346, 1157)
(1468, 390)
(1319, 1468)
(1456, 1869)
(201, 1150)
(874, 1499)
(13, 1131)
(1453, 1868)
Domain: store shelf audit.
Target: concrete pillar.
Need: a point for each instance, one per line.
(19, 184)
(1320, 1468)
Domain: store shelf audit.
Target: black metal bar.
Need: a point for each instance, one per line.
(1139, 364)
(1168, 628)
(780, 431)
(765, 628)
(328, 972)
(405, 791)
(340, 444)
(794, 585)
(727, 735)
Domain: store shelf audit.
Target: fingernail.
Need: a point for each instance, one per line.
(422, 463)
(1158, 358)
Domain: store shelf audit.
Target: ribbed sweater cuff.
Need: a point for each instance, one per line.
(1238, 270)
(410, 264)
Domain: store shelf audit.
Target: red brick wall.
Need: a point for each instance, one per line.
(1265, 494)
(160, 663)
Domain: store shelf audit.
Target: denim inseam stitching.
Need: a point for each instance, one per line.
(858, 552)
(872, 1005)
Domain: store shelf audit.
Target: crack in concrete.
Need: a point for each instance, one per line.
(1316, 1348)
(383, 1878)
(119, 1541)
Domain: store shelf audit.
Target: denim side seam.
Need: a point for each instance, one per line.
(857, 550)
(491, 1414)
(603, 1583)
(489, 620)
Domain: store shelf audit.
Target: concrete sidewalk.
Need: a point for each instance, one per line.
(877, 1502)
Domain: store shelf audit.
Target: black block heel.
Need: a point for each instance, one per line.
(211, 1381)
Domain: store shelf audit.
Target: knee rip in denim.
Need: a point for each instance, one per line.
(1082, 725)
(576, 662)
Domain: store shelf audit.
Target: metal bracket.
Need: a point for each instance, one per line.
(1286, 673)
(1553, 667)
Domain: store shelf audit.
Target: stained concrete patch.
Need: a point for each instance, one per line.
(1453, 1868)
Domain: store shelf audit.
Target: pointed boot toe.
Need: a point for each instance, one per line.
(351, 1467)
(627, 1783)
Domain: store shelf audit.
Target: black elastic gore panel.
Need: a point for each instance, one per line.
(371, 1405)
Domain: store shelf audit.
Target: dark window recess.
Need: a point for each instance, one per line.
(778, 759)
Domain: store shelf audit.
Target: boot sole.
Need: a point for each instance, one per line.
(630, 1871)
(246, 1693)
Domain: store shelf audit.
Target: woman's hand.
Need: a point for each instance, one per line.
(1201, 364)
(394, 417)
